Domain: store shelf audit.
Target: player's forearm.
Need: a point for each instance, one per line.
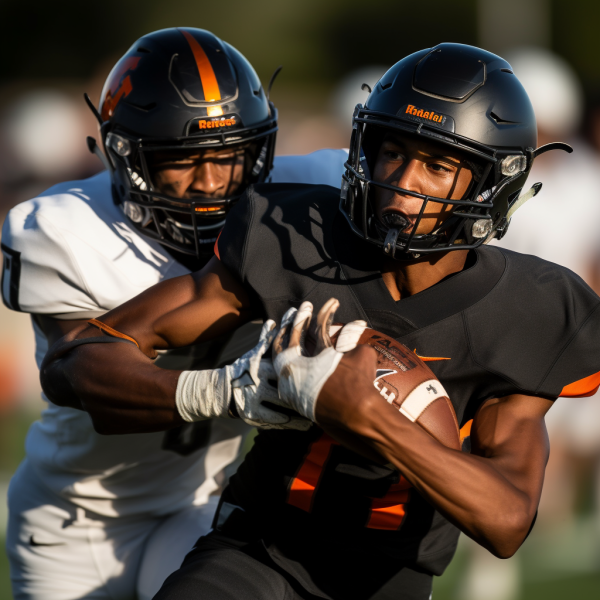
(467, 489)
(121, 388)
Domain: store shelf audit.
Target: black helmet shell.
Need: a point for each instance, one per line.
(468, 100)
(482, 97)
(182, 89)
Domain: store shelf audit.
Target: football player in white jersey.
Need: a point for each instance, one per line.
(185, 127)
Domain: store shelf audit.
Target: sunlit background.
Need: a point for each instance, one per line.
(53, 52)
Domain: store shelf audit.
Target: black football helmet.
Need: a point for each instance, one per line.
(182, 89)
(469, 101)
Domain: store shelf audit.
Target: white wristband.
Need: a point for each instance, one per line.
(421, 397)
(202, 394)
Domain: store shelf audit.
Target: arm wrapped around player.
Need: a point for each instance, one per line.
(237, 390)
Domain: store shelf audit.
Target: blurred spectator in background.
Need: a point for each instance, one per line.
(42, 142)
(559, 225)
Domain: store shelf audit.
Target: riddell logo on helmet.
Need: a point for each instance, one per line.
(427, 115)
(204, 124)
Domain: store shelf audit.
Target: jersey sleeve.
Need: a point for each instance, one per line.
(576, 371)
(323, 167)
(40, 274)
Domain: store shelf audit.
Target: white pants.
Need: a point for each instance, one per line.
(58, 551)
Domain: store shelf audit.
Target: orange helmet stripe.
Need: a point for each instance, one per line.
(205, 70)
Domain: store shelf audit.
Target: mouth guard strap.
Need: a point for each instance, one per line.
(389, 245)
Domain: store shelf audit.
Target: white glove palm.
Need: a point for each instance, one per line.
(237, 390)
(302, 377)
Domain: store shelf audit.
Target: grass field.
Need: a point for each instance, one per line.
(538, 582)
(13, 428)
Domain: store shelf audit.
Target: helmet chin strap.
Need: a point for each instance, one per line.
(260, 159)
(389, 245)
(94, 149)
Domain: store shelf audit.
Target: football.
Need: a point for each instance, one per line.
(407, 383)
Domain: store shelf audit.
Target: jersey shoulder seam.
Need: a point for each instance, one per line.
(466, 324)
(461, 313)
(249, 230)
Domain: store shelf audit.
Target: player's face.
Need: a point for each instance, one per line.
(206, 173)
(418, 166)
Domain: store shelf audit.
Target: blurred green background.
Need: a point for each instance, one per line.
(62, 49)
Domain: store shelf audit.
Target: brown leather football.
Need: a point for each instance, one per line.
(407, 383)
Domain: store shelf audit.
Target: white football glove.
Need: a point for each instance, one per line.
(237, 390)
(302, 377)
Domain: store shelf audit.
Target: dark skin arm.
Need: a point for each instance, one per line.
(491, 494)
(119, 384)
(54, 330)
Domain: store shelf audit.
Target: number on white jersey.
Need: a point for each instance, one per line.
(11, 274)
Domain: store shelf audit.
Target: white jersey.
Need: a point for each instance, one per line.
(71, 254)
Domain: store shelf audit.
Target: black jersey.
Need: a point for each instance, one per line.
(507, 324)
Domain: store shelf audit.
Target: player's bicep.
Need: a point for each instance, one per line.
(511, 433)
(183, 310)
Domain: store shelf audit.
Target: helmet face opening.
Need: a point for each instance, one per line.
(177, 93)
(188, 221)
(460, 213)
(449, 97)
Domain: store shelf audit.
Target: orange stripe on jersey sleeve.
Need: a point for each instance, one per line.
(205, 70)
(587, 386)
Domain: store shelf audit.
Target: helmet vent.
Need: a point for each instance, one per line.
(145, 107)
(142, 49)
(507, 71)
(501, 121)
(387, 85)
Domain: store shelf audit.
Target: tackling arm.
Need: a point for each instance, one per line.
(491, 494)
(118, 384)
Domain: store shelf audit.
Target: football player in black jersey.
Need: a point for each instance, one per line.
(437, 165)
